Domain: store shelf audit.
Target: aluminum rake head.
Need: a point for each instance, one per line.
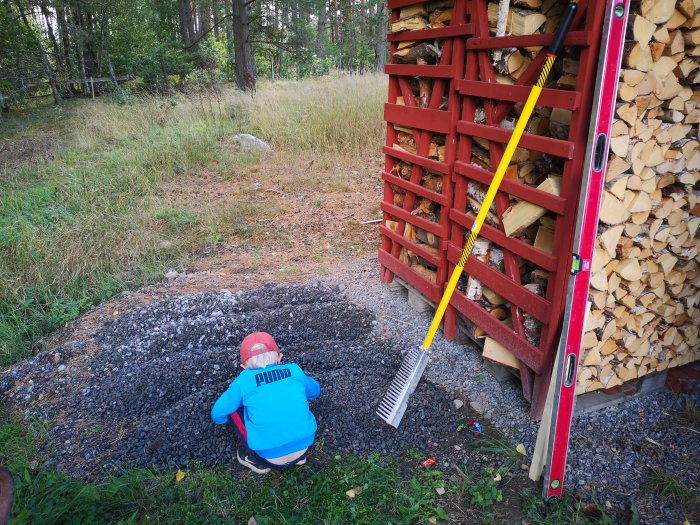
(393, 406)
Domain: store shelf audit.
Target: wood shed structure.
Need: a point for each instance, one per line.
(460, 71)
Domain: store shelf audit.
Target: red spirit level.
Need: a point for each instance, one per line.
(566, 365)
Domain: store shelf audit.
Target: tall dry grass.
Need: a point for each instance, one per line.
(339, 115)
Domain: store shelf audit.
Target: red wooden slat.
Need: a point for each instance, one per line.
(426, 119)
(529, 193)
(556, 98)
(433, 165)
(398, 4)
(542, 259)
(575, 38)
(424, 224)
(431, 34)
(560, 148)
(532, 303)
(501, 332)
(415, 248)
(420, 283)
(415, 188)
(415, 70)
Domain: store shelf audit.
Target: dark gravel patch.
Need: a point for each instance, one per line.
(143, 395)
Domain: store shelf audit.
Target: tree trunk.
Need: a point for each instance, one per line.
(380, 44)
(213, 17)
(52, 38)
(4, 105)
(283, 21)
(245, 60)
(203, 20)
(164, 70)
(111, 73)
(321, 30)
(44, 59)
(187, 32)
(65, 42)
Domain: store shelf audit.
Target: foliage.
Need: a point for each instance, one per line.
(569, 511)
(484, 492)
(159, 44)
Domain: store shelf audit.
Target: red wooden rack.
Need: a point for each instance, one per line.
(477, 107)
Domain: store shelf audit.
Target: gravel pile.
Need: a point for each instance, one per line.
(143, 397)
(139, 392)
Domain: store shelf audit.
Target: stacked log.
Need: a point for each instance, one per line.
(521, 17)
(645, 302)
(428, 15)
(423, 207)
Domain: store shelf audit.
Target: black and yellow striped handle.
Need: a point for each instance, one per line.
(554, 49)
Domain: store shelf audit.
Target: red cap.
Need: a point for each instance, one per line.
(262, 341)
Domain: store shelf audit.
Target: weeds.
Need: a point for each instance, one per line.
(667, 485)
(299, 496)
(691, 413)
(510, 457)
(484, 492)
(568, 511)
(323, 115)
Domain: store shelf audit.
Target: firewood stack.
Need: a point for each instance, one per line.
(420, 144)
(646, 271)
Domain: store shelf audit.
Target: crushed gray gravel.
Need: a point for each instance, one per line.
(139, 391)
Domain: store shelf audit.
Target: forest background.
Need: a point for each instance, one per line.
(69, 48)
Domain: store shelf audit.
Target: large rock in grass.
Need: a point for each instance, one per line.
(251, 143)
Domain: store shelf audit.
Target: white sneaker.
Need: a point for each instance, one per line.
(251, 464)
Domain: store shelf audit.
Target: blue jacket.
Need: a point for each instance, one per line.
(277, 416)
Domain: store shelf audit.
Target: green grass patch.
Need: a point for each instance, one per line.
(690, 413)
(668, 486)
(303, 495)
(86, 225)
(568, 511)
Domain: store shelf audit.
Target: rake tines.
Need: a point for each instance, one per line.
(393, 406)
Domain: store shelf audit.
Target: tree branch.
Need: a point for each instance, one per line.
(216, 24)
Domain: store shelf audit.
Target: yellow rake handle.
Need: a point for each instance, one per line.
(488, 199)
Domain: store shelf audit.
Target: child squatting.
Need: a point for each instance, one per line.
(268, 407)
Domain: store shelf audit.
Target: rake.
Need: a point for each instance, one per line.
(393, 406)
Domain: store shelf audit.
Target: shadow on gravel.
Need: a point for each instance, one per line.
(141, 394)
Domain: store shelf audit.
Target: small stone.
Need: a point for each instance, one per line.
(61, 368)
(440, 491)
(216, 367)
(477, 406)
(165, 245)
(458, 403)
(171, 275)
(56, 358)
